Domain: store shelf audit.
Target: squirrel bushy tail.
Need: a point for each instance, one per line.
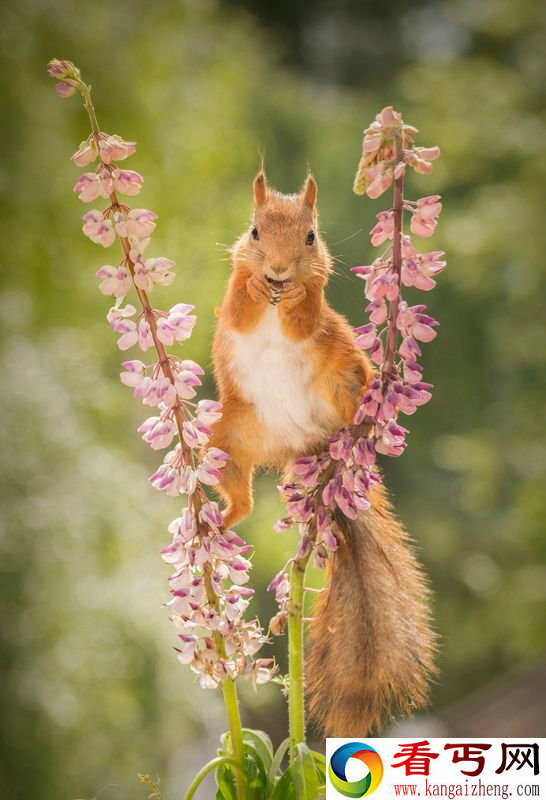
(372, 652)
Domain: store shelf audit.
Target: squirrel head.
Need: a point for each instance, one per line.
(283, 242)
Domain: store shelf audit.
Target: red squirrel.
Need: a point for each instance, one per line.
(289, 375)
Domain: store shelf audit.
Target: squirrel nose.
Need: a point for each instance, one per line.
(278, 270)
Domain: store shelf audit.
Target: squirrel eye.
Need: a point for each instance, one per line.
(310, 238)
(254, 233)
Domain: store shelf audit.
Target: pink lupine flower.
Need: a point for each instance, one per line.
(280, 584)
(195, 434)
(409, 348)
(373, 398)
(376, 351)
(62, 68)
(181, 579)
(127, 181)
(114, 148)
(321, 556)
(86, 153)
(192, 366)
(154, 392)
(384, 228)
(367, 335)
(166, 479)
(143, 280)
(115, 280)
(138, 222)
(382, 286)
(380, 178)
(259, 671)
(185, 380)
(346, 502)
(184, 527)
(210, 515)
(67, 74)
(300, 507)
(238, 570)
(145, 338)
(413, 372)
(159, 270)
(412, 322)
(157, 432)
(208, 474)
(328, 538)
(118, 319)
(362, 272)
(98, 229)
(425, 218)
(190, 435)
(423, 394)
(209, 411)
(364, 452)
(188, 480)
(389, 118)
(420, 157)
(429, 264)
(91, 185)
(186, 653)
(340, 446)
(329, 491)
(133, 374)
(392, 440)
(165, 331)
(283, 524)
(138, 248)
(181, 321)
(65, 89)
(308, 469)
(216, 457)
(378, 311)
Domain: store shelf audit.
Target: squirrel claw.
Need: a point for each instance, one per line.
(293, 294)
(258, 289)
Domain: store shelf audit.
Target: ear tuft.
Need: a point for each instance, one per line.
(260, 189)
(309, 192)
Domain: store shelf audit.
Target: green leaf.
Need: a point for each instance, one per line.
(306, 782)
(284, 790)
(225, 744)
(320, 765)
(261, 743)
(225, 781)
(276, 763)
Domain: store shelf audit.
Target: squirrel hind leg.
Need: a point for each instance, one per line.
(236, 489)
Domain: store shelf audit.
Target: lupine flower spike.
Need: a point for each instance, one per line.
(340, 479)
(211, 566)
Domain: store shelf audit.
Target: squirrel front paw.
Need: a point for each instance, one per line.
(258, 289)
(292, 294)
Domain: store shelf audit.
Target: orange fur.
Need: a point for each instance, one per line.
(289, 375)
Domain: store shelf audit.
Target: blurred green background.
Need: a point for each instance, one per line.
(91, 691)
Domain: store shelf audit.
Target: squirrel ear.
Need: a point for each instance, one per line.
(260, 189)
(309, 192)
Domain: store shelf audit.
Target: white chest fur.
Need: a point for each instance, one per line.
(275, 374)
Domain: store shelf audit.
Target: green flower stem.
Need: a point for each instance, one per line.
(296, 711)
(230, 698)
(202, 774)
(232, 707)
